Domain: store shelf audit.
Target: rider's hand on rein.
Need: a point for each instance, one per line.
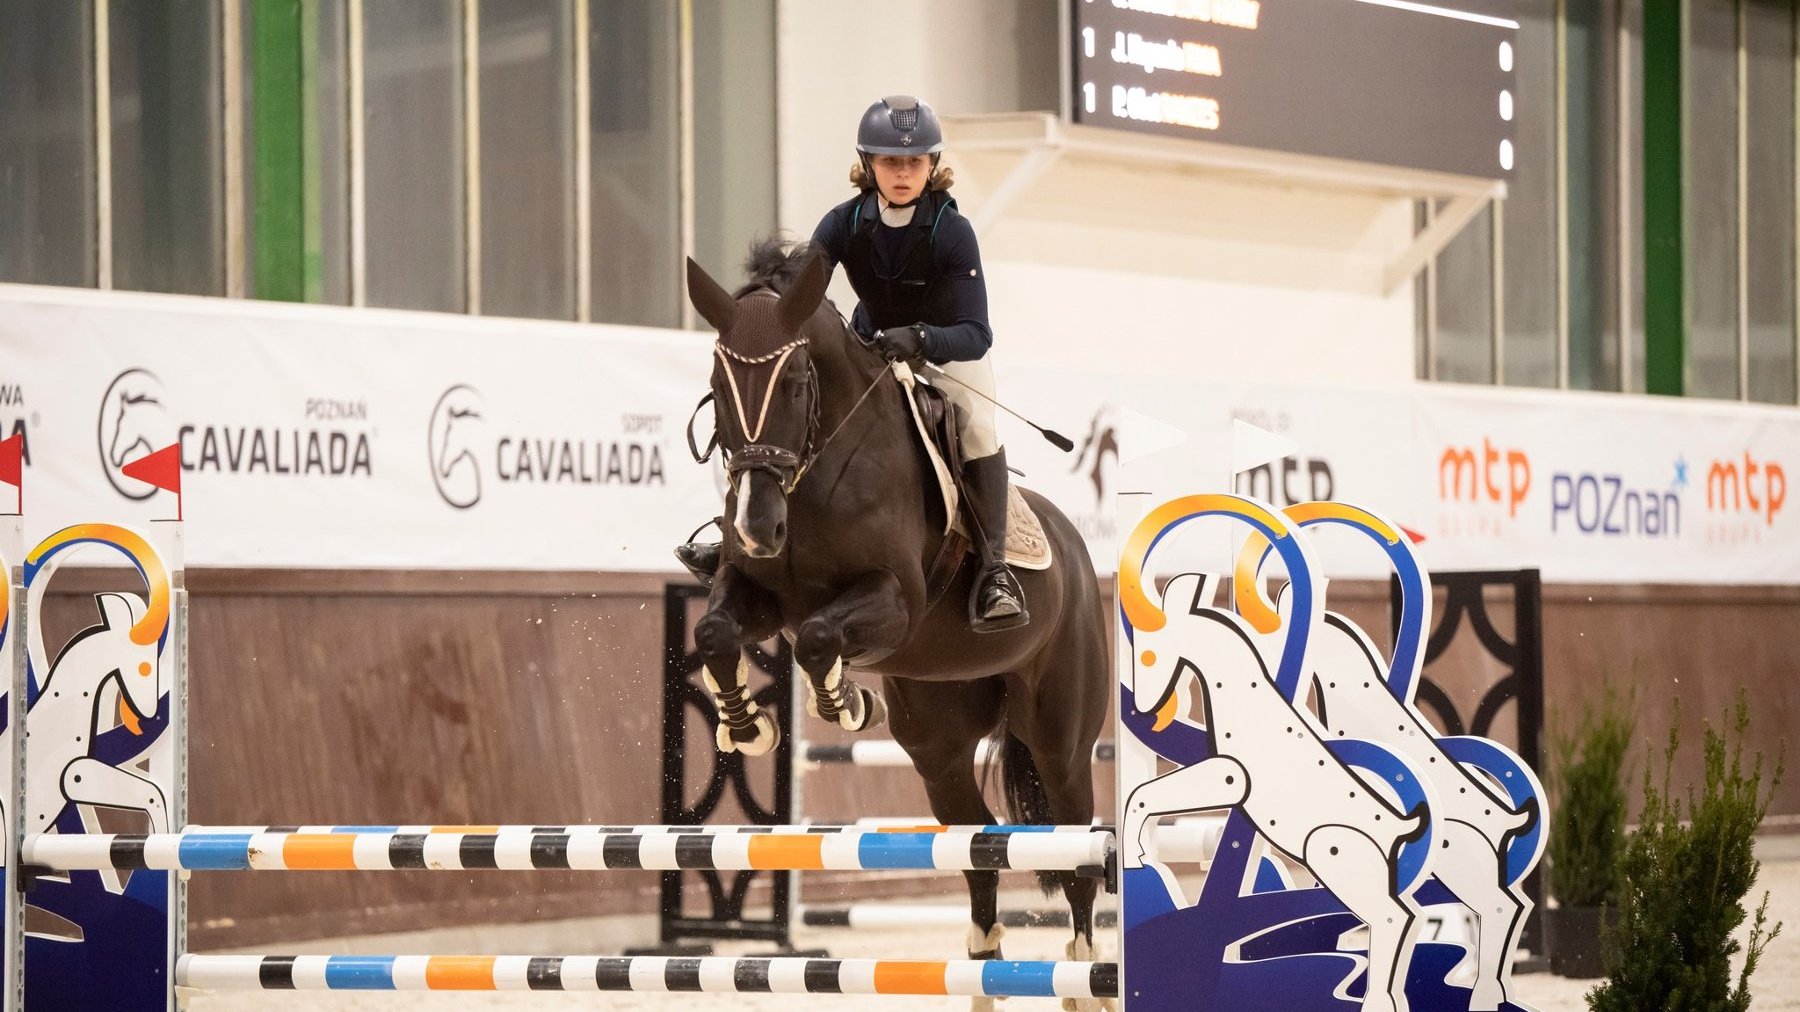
(901, 344)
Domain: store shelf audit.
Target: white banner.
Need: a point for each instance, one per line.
(317, 437)
(1586, 487)
(1596, 488)
(330, 438)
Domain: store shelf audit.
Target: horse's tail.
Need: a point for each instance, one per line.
(1022, 789)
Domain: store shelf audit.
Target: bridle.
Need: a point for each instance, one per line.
(780, 463)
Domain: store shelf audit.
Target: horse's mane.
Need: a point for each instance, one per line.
(773, 263)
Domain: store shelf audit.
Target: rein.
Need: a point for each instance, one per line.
(840, 425)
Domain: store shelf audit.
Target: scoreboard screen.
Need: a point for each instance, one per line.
(1390, 82)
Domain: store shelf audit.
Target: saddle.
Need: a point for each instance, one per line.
(934, 420)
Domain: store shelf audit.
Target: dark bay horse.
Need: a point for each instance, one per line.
(832, 523)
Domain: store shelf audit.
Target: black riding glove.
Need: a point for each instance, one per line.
(901, 344)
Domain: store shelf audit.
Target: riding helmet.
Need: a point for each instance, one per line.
(899, 125)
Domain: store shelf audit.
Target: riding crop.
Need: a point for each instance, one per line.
(1057, 439)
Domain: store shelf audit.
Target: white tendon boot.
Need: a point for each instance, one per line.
(856, 710)
(984, 947)
(1081, 950)
(765, 734)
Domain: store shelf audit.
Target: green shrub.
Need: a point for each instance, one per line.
(1587, 826)
(1683, 878)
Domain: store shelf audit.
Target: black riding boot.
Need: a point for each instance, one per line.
(997, 602)
(701, 557)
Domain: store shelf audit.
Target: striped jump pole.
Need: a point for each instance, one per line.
(1184, 841)
(888, 916)
(950, 848)
(783, 975)
(922, 824)
(885, 753)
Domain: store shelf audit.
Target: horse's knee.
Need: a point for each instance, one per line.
(716, 634)
(817, 645)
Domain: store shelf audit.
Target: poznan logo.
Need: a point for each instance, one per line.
(457, 430)
(133, 423)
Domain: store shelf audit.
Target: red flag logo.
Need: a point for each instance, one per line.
(12, 459)
(162, 468)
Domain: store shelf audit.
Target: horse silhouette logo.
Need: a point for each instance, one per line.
(456, 426)
(1101, 441)
(133, 423)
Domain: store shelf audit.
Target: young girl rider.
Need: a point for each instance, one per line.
(913, 262)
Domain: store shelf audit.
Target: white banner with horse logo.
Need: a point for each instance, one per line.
(317, 437)
(320, 437)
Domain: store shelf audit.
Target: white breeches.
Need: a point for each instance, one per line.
(974, 414)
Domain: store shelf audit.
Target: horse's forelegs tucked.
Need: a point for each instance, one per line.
(738, 613)
(871, 614)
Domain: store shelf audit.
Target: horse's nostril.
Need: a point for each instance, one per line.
(781, 531)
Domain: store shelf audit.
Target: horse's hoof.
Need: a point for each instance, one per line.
(760, 738)
(1081, 950)
(985, 945)
(874, 712)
